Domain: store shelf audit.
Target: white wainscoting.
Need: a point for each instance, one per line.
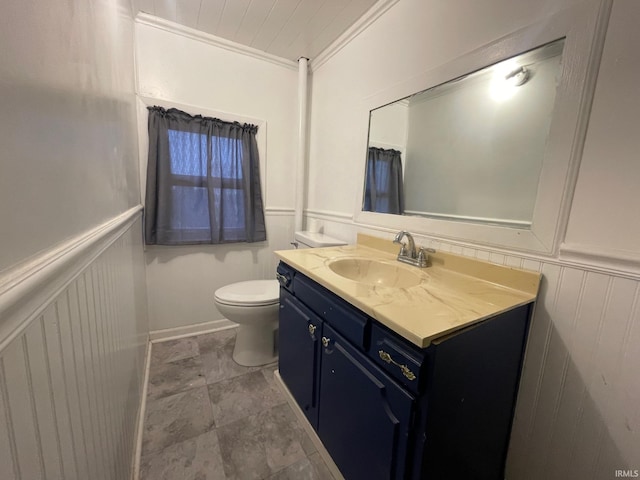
(72, 369)
(577, 415)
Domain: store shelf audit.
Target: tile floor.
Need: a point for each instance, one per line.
(208, 418)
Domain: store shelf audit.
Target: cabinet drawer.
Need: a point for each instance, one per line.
(344, 317)
(399, 360)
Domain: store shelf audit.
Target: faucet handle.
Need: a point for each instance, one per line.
(423, 257)
(403, 249)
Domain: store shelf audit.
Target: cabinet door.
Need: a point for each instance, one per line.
(299, 352)
(364, 415)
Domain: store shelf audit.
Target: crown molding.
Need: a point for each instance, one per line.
(375, 12)
(193, 34)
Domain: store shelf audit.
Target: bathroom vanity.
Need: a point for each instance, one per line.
(404, 373)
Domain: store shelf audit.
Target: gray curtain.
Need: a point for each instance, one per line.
(203, 181)
(383, 189)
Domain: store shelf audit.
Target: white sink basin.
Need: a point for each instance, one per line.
(377, 273)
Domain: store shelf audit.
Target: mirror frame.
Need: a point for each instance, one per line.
(583, 28)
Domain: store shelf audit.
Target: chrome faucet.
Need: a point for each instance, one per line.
(418, 258)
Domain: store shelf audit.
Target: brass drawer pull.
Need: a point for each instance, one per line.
(325, 341)
(385, 357)
(312, 328)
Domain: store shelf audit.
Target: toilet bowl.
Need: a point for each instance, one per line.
(255, 306)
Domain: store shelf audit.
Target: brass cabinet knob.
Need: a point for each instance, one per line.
(325, 341)
(312, 329)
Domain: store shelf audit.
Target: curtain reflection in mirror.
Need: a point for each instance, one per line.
(383, 188)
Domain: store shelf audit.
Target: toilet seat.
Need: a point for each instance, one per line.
(251, 293)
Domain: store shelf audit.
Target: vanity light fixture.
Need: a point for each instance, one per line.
(508, 76)
(517, 77)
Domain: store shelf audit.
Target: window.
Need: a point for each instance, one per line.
(203, 182)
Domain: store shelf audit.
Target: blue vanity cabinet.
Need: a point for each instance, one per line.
(386, 409)
(471, 396)
(299, 352)
(365, 417)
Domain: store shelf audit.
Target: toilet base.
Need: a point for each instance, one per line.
(256, 345)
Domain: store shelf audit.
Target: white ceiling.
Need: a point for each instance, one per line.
(286, 28)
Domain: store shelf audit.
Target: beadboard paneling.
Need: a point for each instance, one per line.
(7, 444)
(71, 381)
(578, 410)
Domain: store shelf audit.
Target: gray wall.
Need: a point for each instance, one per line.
(67, 121)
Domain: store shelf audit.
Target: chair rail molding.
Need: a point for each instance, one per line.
(339, 217)
(29, 287)
(612, 261)
(280, 211)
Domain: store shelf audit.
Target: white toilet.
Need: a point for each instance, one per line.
(254, 305)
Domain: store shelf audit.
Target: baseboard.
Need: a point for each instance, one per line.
(135, 470)
(333, 468)
(190, 330)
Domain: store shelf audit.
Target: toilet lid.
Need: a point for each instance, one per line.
(254, 292)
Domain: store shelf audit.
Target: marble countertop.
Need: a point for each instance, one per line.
(453, 293)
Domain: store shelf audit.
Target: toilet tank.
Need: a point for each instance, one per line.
(316, 240)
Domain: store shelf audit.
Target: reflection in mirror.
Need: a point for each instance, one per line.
(472, 148)
(384, 192)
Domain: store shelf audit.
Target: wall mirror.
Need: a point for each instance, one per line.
(470, 149)
(486, 148)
